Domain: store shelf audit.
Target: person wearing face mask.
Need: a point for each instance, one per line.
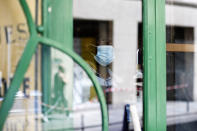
(104, 57)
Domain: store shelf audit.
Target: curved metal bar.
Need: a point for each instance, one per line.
(89, 72)
(30, 22)
(17, 79)
(22, 68)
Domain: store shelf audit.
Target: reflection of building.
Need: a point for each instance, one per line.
(115, 26)
(118, 23)
(109, 23)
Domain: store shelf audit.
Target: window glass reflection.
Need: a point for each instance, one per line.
(181, 61)
(108, 36)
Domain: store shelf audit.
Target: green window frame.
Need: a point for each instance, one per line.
(154, 64)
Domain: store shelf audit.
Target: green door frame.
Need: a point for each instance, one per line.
(154, 65)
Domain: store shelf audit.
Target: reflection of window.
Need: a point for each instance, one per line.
(139, 73)
(180, 62)
(180, 39)
(180, 68)
(179, 35)
(88, 34)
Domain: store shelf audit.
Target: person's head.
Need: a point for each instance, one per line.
(61, 69)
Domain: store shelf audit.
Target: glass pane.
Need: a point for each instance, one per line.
(108, 36)
(69, 105)
(72, 89)
(181, 65)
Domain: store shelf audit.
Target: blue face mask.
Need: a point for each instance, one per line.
(104, 55)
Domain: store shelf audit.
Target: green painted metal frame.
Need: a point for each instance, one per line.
(24, 62)
(46, 60)
(154, 65)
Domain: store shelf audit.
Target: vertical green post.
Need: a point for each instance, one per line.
(154, 65)
(46, 59)
(60, 22)
(58, 25)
